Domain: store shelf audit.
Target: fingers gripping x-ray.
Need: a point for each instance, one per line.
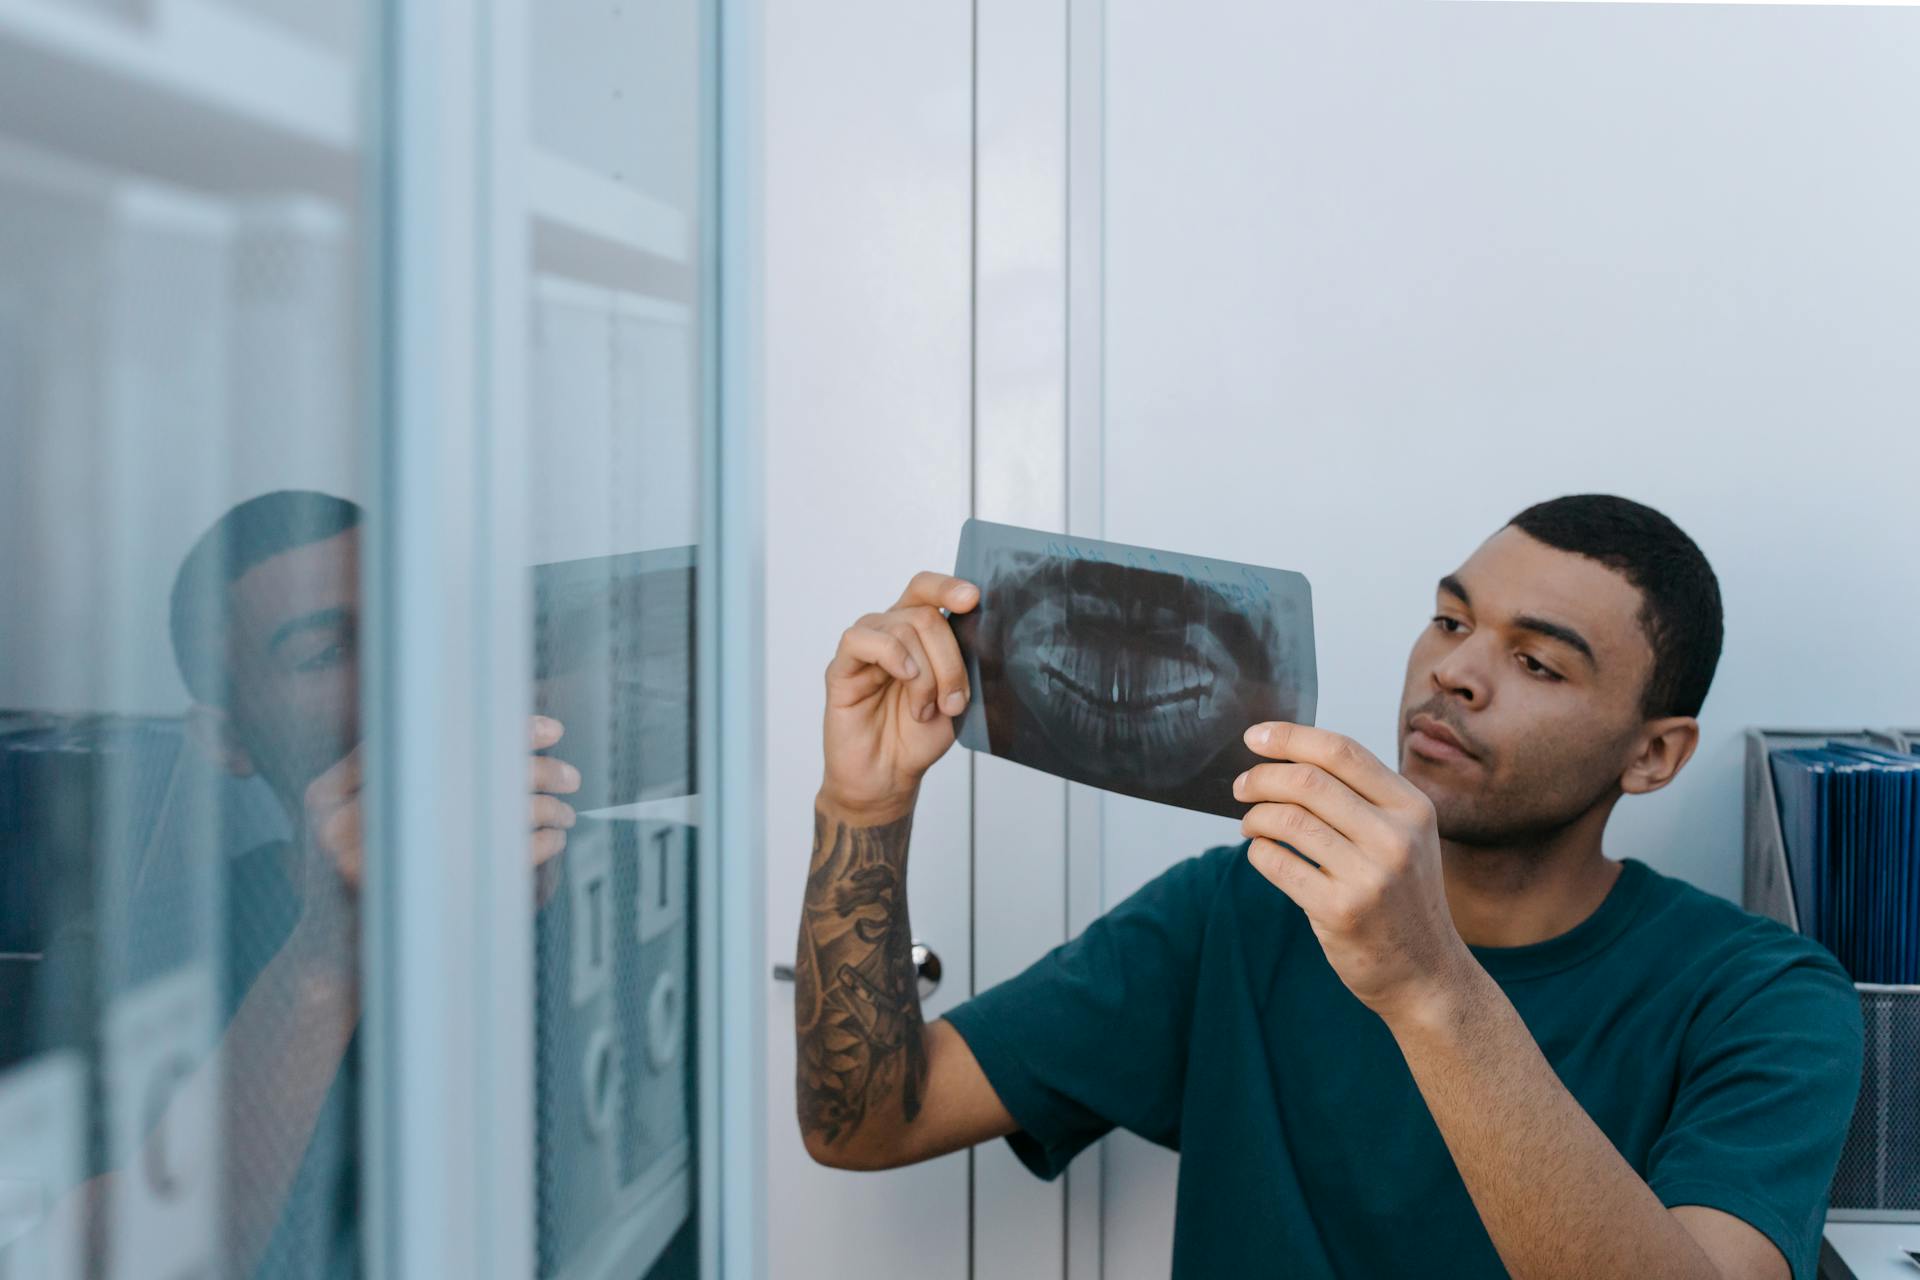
(1129, 669)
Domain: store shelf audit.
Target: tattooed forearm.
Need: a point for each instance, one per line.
(856, 1005)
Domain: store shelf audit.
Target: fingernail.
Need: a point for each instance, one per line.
(967, 591)
(572, 777)
(956, 703)
(925, 713)
(1239, 784)
(913, 669)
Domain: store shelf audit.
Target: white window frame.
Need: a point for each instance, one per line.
(448, 1178)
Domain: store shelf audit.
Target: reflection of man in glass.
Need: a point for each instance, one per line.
(265, 627)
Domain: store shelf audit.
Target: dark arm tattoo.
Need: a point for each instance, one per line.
(856, 1002)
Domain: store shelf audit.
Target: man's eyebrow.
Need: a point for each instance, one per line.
(1565, 635)
(1454, 587)
(306, 622)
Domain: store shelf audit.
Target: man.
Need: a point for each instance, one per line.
(265, 630)
(1459, 1041)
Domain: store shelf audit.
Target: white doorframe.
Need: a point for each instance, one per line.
(1086, 512)
(449, 938)
(1019, 477)
(732, 953)
(1037, 462)
(449, 1184)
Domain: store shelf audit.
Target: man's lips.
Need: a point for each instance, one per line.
(1434, 741)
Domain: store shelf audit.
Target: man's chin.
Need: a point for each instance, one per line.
(1457, 811)
(1426, 780)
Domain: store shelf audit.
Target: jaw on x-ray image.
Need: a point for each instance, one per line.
(1132, 670)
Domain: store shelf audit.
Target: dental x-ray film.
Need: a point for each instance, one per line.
(613, 662)
(1132, 670)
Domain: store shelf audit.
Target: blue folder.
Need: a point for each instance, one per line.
(1850, 816)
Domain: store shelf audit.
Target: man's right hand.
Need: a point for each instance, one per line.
(875, 1086)
(334, 827)
(893, 688)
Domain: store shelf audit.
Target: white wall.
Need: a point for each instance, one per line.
(867, 275)
(1381, 273)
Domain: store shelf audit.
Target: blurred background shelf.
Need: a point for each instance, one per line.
(206, 94)
(594, 228)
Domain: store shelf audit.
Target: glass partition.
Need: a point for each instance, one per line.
(242, 407)
(615, 372)
(181, 409)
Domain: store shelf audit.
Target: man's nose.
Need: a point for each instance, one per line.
(1463, 674)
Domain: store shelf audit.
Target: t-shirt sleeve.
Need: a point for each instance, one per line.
(1763, 1107)
(1093, 1035)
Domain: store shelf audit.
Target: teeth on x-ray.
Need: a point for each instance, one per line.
(1123, 701)
(1144, 680)
(1137, 679)
(1139, 704)
(1135, 685)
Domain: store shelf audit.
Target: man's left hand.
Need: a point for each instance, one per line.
(1377, 900)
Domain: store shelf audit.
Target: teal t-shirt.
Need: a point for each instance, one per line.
(1719, 1051)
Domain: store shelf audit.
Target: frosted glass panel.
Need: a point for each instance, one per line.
(180, 305)
(614, 372)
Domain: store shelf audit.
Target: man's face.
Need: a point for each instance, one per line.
(1536, 661)
(294, 659)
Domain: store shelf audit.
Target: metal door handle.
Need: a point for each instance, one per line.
(926, 966)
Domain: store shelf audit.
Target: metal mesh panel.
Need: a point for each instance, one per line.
(577, 1061)
(612, 1106)
(1880, 1165)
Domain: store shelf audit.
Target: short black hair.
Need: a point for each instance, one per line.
(1680, 596)
(256, 530)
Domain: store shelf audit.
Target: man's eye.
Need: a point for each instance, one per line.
(1536, 667)
(1449, 625)
(330, 656)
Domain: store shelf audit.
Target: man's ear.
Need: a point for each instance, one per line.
(1665, 746)
(211, 729)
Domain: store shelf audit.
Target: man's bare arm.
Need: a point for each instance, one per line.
(1556, 1196)
(875, 1086)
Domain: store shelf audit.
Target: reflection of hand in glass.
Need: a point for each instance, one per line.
(333, 840)
(334, 830)
(552, 778)
(333, 826)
